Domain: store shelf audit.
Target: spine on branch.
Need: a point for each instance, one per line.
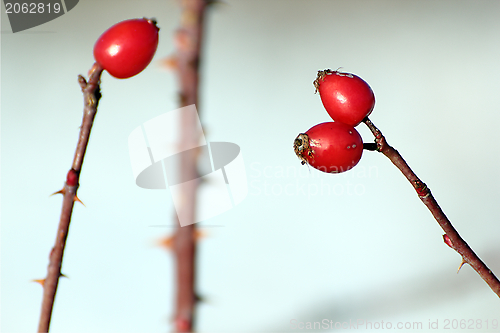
(185, 62)
(451, 237)
(91, 96)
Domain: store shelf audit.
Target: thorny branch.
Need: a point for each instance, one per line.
(451, 237)
(91, 96)
(186, 62)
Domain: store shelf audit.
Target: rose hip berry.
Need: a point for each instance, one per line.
(331, 147)
(346, 97)
(126, 48)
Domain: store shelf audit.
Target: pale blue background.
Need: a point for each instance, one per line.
(303, 245)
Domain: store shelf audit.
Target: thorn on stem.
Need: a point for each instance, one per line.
(166, 242)
(461, 264)
(62, 191)
(39, 281)
(199, 234)
(170, 63)
(76, 199)
(42, 281)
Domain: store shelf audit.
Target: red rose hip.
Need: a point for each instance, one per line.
(346, 97)
(126, 48)
(331, 147)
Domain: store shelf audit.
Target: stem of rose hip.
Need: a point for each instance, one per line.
(91, 96)
(424, 193)
(370, 146)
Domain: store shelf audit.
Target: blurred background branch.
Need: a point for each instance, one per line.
(185, 62)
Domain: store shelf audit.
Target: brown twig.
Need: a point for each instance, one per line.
(91, 96)
(451, 237)
(188, 40)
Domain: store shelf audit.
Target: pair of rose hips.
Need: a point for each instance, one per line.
(336, 146)
(127, 48)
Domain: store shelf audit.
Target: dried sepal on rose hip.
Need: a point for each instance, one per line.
(346, 97)
(330, 147)
(127, 48)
